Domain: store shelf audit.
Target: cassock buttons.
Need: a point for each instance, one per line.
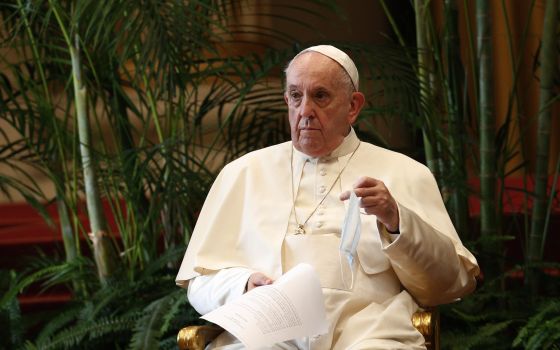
(322, 189)
(319, 224)
(323, 172)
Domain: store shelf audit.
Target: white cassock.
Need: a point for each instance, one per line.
(247, 224)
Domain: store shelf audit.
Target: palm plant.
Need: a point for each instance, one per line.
(497, 146)
(130, 108)
(173, 84)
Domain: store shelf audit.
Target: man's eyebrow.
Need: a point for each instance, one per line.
(317, 88)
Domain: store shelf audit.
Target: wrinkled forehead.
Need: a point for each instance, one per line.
(312, 68)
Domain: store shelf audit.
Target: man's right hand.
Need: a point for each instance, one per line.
(258, 279)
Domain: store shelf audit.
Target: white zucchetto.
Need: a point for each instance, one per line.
(340, 57)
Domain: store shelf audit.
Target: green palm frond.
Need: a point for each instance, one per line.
(29, 346)
(485, 337)
(11, 333)
(55, 325)
(118, 312)
(178, 305)
(149, 327)
(26, 281)
(542, 330)
(90, 332)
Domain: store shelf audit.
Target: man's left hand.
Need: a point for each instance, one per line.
(257, 279)
(376, 200)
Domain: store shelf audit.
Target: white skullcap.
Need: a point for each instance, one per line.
(340, 57)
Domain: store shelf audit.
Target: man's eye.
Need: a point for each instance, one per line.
(321, 95)
(295, 96)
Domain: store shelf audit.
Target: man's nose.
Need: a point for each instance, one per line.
(307, 107)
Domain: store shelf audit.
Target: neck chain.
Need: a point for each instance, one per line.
(300, 227)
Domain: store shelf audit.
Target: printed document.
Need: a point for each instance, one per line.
(292, 307)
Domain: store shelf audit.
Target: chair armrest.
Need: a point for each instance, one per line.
(197, 337)
(427, 323)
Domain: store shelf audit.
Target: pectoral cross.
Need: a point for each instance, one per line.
(300, 230)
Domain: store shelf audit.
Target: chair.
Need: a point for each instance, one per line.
(197, 337)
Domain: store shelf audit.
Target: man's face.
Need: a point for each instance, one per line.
(321, 108)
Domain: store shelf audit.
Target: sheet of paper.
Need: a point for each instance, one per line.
(291, 307)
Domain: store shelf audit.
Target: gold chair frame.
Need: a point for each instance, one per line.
(197, 337)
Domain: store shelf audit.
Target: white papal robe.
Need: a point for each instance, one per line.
(247, 224)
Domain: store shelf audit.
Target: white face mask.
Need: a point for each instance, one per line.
(350, 235)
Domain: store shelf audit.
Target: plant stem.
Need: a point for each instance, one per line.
(487, 122)
(430, 143)
(549, 68)
(455, 83)
(104, 253)
(487, 145)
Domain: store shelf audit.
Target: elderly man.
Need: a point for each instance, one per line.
(283, 205)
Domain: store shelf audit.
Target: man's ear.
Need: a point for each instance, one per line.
(356, 103)
(286, 98)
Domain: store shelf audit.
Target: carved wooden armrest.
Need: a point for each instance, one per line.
(197, 337)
